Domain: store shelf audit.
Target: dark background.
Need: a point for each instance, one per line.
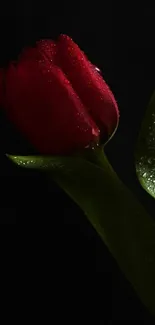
(121, 43)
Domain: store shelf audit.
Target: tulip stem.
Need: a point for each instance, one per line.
(118, 217)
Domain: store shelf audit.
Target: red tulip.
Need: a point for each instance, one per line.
(57, 99)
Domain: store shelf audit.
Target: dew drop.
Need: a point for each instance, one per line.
(97, 69)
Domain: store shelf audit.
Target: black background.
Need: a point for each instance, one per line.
(120, 41)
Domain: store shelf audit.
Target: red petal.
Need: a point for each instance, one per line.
(89, 85)
(43, 105)
(28, 53)
(47, 49)
(44, 49)
(2, 79)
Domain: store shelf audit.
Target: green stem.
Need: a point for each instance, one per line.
(117, 216)
(120, 220)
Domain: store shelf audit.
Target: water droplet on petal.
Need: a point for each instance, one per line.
(97, 69)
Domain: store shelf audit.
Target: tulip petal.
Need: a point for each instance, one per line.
(43, 105)
(89, 85)
(47, 49)
(44, 49)
(2, 76)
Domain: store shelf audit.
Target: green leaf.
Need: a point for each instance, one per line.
(145, 150)
(120, 220)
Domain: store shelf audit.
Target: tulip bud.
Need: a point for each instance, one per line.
(56, 98)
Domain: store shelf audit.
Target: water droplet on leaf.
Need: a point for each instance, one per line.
(145, 150)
